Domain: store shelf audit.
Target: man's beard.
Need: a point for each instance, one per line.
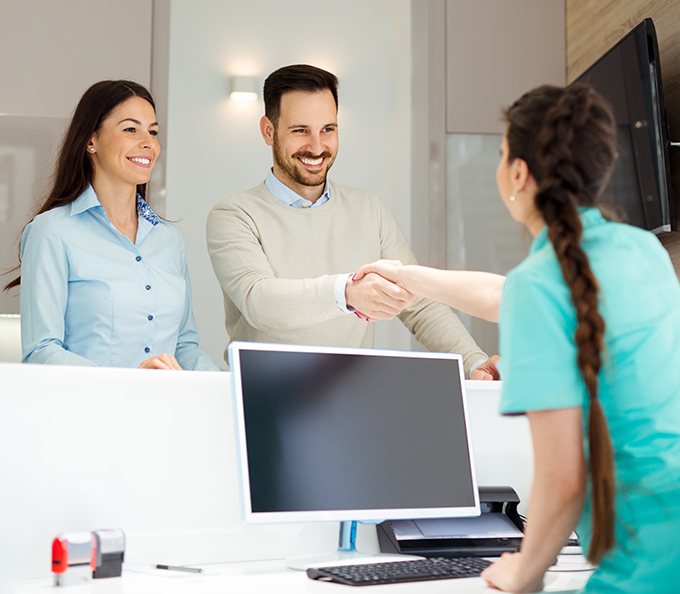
(304, 178)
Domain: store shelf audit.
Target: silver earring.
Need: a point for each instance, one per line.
(91, 149)
(513, 196)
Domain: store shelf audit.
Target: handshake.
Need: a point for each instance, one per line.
(382, 289)
(377, 291)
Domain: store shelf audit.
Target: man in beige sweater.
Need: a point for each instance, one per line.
(284, 251)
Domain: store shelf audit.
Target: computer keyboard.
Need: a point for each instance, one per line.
(394, 572)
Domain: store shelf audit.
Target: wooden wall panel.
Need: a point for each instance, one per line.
(593, 26)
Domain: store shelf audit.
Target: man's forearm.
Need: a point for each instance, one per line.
(439, 329)
(287, 304)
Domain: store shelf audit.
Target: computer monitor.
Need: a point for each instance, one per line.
(351, 434)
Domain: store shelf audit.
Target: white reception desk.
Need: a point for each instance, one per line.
(153, 453)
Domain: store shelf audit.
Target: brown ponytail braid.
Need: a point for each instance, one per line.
(567, 137)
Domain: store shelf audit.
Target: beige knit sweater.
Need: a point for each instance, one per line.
(277, 267)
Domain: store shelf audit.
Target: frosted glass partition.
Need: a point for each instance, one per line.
(28, 148)
(480, 234)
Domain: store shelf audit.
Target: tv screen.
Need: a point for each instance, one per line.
(629, 76)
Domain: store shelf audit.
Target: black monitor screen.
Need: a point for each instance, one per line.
(349, 431)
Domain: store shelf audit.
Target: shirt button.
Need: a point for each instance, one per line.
(148, 287)
(147, 350)
(149, 317)
(138, 258)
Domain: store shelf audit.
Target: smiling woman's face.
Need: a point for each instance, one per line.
(125, 147)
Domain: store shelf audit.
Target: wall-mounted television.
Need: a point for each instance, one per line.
(629, 76)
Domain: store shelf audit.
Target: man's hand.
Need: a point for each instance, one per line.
(376, 298)
(163, 361)
(487, 370)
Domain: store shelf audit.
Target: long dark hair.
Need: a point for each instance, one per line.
(567, 136)
(73, 172)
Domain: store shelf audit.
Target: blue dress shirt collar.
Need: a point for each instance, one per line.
(88, 199)
(144, 211)
(284, 194)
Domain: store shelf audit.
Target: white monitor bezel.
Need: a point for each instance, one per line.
(252, 517)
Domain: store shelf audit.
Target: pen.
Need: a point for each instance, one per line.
(179, 568)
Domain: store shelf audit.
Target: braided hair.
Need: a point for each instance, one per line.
(567, 137)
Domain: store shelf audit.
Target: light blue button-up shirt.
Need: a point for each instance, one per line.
(89, 296)
(284, 194)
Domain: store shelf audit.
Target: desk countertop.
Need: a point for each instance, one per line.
(265, 577)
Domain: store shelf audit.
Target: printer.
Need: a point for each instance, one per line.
(499, 529)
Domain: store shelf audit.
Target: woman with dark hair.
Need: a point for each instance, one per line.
(103, 279)
(590, 345)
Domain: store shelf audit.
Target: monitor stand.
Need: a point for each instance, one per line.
(346, 551)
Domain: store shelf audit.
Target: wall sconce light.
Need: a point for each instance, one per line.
(243, 88)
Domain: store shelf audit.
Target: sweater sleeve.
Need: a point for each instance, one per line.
(435, 325)
(246, 277)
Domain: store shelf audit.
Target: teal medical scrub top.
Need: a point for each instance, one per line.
(639, 389)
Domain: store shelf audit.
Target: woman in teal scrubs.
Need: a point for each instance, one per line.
(590, 347)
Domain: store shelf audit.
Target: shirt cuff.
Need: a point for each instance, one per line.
(474, 366)
(339, 290)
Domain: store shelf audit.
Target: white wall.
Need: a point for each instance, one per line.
(214, 147)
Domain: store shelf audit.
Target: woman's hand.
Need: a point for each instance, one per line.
(388, 269)
(508, 575)
(472, 292)
(162, 361)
